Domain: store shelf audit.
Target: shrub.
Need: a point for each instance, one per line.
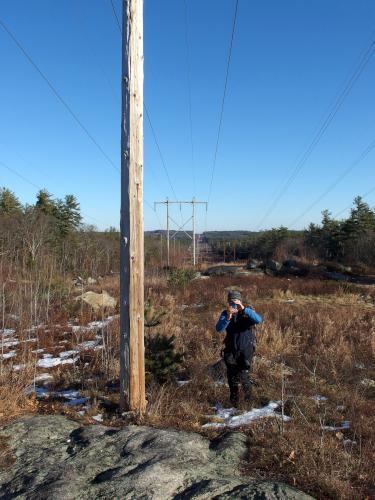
(162, 362)
(180, 277)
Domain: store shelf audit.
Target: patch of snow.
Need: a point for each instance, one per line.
(319, 398)
(38, 351)
(18, 368)
(98, 418)
(10, 343)
(43, 377)
(88, 344)
(46, 355)
(30, 340)
(74, 397)
(52, 362)
(181, 383)
(340, 408)
(8, 355)
(359, 366)
(68, 354)
(98, 347)
(247, 417)
(63, 341)
(7, 331)
(333, 428)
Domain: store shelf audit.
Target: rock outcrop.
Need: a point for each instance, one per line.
(98, 300)
(55, 457)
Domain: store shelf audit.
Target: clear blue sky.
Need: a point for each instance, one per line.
(290, 60)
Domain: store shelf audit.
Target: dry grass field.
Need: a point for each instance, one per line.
(315, 354)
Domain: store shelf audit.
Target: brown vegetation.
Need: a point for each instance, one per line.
(318, 338)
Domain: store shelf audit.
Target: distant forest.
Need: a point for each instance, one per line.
(53, 229)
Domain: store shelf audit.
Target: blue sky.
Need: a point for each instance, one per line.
(290, 60)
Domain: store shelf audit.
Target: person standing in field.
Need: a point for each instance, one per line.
(238, 321)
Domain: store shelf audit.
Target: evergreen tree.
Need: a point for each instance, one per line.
(68, 214)
(361, 220)
(9, 203)
(45, 203)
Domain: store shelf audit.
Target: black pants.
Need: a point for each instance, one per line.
(239, 374)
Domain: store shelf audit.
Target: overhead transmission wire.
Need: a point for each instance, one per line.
(188, 71)
(69, 109)
(338, 179)
(26, 179)
(58, 95)
(364, 60)
(370, 191)
(223, 101)
(148, 116)
(116, 16)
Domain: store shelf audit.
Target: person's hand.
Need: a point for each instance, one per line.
(241, 307)
(231, 311)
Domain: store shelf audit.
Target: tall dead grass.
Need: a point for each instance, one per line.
(318, 338)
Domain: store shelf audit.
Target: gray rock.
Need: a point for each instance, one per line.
(273, 265)
(98, 300)
(57, 458)
(253, 264)
(222, 270)
(265, 490)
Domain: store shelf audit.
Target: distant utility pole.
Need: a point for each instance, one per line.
(180, 227)
(132, 371)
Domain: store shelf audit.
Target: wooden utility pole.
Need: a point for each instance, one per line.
(132, 372)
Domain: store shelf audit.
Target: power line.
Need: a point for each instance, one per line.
(338, 179)
(324, 126)
(372, 190)
(189, 91)
(159, 150)
(223, 100)
(21, 176)
(116, 16)
(149, 120)
(57, 95)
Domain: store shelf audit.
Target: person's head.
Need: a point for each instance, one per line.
(234, 295)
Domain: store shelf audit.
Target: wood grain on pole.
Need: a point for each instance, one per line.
(132, 376)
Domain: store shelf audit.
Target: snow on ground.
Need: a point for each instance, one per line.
(72, 396)
(8, 355)
(98, 418)
(43, 377)
(319, 398)
(10, 343)
(6, 332)
(232, 420)
(68, 354)
(52, 362)
(333, 428)
(181, 383)
(88, 344)
(18, 368)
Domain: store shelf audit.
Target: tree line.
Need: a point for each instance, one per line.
(350, 240)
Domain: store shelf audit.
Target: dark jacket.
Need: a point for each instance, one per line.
(240, 339)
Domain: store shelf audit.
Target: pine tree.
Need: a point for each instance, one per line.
(68, 214)
(9, 203)
(161, 361)
(361, 220)
(45, 203)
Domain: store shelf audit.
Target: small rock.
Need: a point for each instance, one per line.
(98, 300)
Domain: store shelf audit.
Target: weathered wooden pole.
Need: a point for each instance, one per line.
(132, 372)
